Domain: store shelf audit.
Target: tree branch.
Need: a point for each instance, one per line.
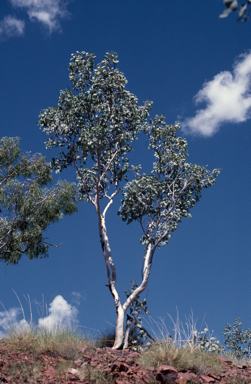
(148, 335)
(108, 165)
(22, 221)
(79, 173)
(146, 272)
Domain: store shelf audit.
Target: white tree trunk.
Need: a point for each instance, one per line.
(128, 323)
(146, 273)
(111, 276)
(121, 310)
(119, 338)
(120, 315)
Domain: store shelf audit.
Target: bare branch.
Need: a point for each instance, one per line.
(141, 224)
(108, 165)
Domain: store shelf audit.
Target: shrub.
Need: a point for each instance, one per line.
(235, 337)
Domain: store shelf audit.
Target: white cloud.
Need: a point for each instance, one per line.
(227, 98)
(8, 320)
(61, 314)
(8, 317)
(11, 27)
(47, 12)
(77, 297)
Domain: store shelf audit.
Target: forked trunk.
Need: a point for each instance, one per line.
(111, 276)
(121, 310)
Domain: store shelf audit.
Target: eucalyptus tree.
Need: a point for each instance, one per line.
(27, 207)
(94, 127)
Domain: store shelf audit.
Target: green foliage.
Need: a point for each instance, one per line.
(207, 343)
(27, 207)
(174, 186)
(235, 338)
(138, 336)
(232, 6)
(98, 123)
(94, 127)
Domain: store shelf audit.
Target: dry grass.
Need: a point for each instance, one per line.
(180, 358)
(180, 333)
(67, 344)
(94, 376)
(106, 339)
(238, 380)
(179, 350)
(61, 342)
(242, 361)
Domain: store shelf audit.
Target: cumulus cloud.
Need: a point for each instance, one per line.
(60, 314)
(11, 27)
(9, 319)
(47, 12)
(227, 98)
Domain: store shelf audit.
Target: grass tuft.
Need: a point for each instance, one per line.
(180, 357)
(61, 342)
(237, 380)
(178, 350)
(106, 339)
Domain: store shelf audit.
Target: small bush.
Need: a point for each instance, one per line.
(235, 338)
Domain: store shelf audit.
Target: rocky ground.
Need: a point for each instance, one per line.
(104, 365)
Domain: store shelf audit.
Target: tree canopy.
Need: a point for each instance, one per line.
(27, 206)
(94, 127)
(232, 6)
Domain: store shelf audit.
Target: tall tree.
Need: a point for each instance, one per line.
(27, 207)
(94, 127)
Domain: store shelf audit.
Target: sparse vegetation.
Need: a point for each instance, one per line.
(186, 348)
(64, 342)
(106, 339)
(33, 343)
(238, 380)
(180, 357)
(94, 376)
(67, 345)
(235, 338)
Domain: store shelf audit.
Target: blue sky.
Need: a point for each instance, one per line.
(196, 68)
